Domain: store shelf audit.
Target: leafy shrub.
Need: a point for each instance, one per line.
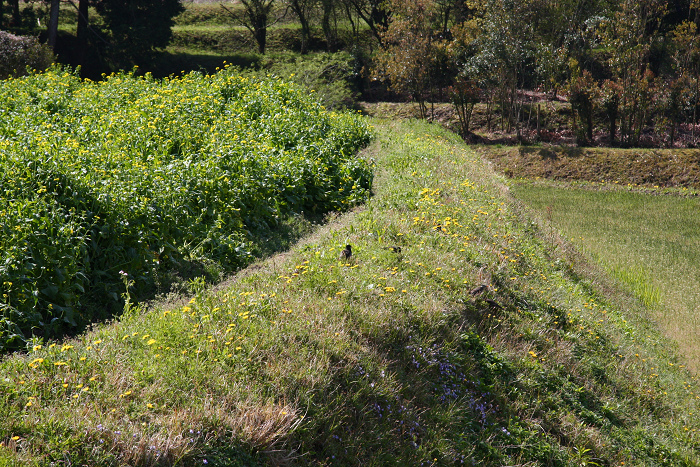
(133, 174)
(329, 75)
(18, 53)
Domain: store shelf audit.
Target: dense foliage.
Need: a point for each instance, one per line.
(628, 69)
(17, 54)
(120, 180)
(136, 28)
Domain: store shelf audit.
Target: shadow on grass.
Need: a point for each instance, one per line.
(169, 63)
(547, 153)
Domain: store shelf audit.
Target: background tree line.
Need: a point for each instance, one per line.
(627, 65)
(110, 34)
(633, 64)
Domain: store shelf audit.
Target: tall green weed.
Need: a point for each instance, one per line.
(130, 175)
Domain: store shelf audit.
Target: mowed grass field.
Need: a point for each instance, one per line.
(650, 242)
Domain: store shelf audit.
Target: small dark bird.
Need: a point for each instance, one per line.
(480, 289)
(395, 249)
(493, 304)
(346, 253)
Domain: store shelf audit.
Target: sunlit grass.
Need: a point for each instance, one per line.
(649, 242)
(384, 359)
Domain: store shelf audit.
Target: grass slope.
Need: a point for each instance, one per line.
(649, 242)
(386, 359)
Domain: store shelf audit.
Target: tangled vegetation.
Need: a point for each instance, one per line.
(117, 182)
(17, 54)
(393, 357)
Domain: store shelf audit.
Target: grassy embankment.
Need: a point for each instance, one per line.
(648, 242)
(607, 201)
(385, 359)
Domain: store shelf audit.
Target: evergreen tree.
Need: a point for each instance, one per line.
(136, 28)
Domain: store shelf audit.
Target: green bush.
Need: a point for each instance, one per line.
(223, 40)
(131, 175)
(18, 53)
(329, 75)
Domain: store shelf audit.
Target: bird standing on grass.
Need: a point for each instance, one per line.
(346, 253)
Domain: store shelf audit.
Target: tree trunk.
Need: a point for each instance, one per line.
(82, 31)
(53, 23)
(348, 14)
(328, 32)
(15, 13)
(261, 37)
(305, 37)
(299, 9)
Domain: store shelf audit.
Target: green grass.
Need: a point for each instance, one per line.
(205, 13)
(384, 359)
(650, 242)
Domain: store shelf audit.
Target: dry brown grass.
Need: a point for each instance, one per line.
(644, 168)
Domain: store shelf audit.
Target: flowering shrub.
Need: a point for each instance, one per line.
(132, 174)
(19, 53)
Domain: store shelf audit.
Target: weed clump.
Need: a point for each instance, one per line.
(147, 177)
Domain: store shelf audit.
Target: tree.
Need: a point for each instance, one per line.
(631, 32)
(53, 23)
(256, 17)
(82, 30)
(686, 62)
(329, 32)
(408, 50)
(465, 95)
(609, 101)
(375, 13)
(137, 27)
(582, 90)
(505, 49)
(14, 4)
(302, 10)
(452, 13)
